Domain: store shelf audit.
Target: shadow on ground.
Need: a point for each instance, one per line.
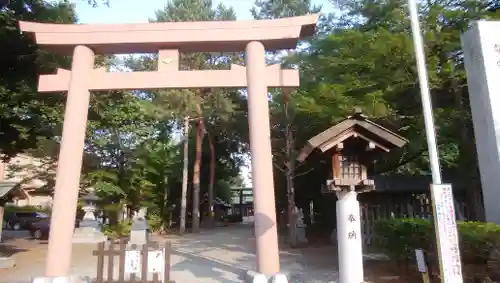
(7, 250)
(220, 254)
(209, 268)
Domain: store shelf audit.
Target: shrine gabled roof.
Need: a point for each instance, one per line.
(357, 125)
(7, 189)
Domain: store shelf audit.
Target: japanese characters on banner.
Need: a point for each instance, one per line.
(351, 222)
(353, 228)
(155, 262)
(350, 245)
(446, 233)
(132, 261)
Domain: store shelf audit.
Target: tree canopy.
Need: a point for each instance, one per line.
(362, 56)
(26, 116)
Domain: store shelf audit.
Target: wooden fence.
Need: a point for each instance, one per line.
(385, 208)
(120, 250)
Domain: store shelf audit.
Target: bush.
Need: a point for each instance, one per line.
(122, 228)
(118, 230)
(155, 222)
(32, 208)
(478, 240)
(399, 238)
(26, 208)
(233, 218)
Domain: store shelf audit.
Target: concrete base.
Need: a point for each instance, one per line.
(7, 262)
(87, 235)
(255, 277)
(69, 279)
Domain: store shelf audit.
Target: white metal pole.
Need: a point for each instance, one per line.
(447, 247)
(430, 131)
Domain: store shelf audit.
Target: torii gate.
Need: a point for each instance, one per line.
(85, 41)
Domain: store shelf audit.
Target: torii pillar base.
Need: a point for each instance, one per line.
(66, 279)
(255, 277)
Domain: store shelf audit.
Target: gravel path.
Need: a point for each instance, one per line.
(220, 255)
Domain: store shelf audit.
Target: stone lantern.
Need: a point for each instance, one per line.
(89, 220)
(89, 230)
(351, 144)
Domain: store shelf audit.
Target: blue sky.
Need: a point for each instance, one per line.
(135, 11)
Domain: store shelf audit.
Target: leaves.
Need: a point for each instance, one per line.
(26, 115)
(362, 57)
(134, 133)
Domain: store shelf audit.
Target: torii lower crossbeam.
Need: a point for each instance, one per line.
(99, 79)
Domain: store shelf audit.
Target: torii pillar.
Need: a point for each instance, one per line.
(262, 161)
(168, 39)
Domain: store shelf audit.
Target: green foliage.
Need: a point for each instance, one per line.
(219, 109)
(274, 9)
(399, 238)
(118, 230)
(285, 127)
(365, 59)
(25, 208)
(96, 3)
(27, 117)
(478, 240)
(122, 228)
(156, 222)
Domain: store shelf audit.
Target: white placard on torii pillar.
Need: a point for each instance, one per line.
(349, 238)
(481, 47)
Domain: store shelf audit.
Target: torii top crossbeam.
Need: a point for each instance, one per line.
(216, 36)
(168, 39)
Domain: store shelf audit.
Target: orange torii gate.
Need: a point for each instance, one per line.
(168, 39)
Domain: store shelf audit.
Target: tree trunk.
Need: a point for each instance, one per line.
(164, 209)
(196, 176)
(2, 211)
(121, 183)
(475, 205)
(211, 183)
(289, 169)
(241, 203)
(182, 226)
(468, 158)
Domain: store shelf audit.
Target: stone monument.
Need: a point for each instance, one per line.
(89, 230)
(299, 227)
(481, 51)
(139, 231)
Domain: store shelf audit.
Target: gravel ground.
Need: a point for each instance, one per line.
(220, 255)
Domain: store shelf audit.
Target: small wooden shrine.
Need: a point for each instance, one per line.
(352, 143)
